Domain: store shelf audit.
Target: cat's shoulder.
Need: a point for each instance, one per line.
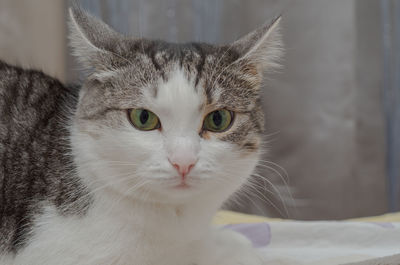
(13, 75)
(27, 86)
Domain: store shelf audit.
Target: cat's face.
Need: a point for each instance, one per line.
(165, 121)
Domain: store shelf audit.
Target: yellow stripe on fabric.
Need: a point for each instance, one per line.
(229, 217)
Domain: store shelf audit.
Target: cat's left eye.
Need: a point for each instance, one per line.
(218, 121)
(143, 119)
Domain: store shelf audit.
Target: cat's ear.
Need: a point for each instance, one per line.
(262, 47)
(92, 41)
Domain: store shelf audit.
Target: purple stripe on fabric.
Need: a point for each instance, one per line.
(384, 225)
(259, 233)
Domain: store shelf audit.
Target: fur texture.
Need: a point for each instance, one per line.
(92, 189)
(35, 165)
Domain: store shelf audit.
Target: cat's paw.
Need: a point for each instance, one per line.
(235, 249)
(243, 257)
(229, 237)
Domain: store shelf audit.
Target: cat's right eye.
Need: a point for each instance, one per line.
(143, 119)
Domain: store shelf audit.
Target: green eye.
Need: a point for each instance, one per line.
(143, 119)
(218, 121)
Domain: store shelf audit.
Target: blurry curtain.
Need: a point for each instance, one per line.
(390, 10)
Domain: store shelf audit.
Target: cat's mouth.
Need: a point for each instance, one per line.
(182, 185)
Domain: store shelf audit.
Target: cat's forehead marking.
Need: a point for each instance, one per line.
(178, 104)
(211, 70)
(178, 91)
(166, 58)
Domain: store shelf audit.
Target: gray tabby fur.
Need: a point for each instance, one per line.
(35, 165)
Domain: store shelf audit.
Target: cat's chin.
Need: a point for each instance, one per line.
(182, 186)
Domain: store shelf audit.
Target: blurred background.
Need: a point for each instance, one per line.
(332, 113)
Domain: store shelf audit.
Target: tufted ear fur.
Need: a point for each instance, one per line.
(93, 42)
(262, 47)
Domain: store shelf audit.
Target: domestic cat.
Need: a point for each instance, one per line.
(130, 167)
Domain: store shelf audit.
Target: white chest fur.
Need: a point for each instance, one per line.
(110, 233)
(134, 234)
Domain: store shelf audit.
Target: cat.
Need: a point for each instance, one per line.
(131, 166)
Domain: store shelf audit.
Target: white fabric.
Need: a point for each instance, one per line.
(324, 243)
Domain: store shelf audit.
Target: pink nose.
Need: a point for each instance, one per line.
(183, 168)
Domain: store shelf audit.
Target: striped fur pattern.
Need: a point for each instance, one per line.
(34, 147)
(80, 185)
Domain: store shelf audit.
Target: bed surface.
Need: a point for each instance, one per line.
(371, 240)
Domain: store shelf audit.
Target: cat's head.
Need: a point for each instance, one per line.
(167, 121)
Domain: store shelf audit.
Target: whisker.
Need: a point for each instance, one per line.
(131, 189)
(278, 166)
(100, 188)
(285, 182)
(268, 200)
(276, 189)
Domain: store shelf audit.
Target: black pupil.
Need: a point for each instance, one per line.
(217, 118)
(144, 116)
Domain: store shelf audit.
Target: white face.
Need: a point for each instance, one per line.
(180, 160)
(168, 164)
